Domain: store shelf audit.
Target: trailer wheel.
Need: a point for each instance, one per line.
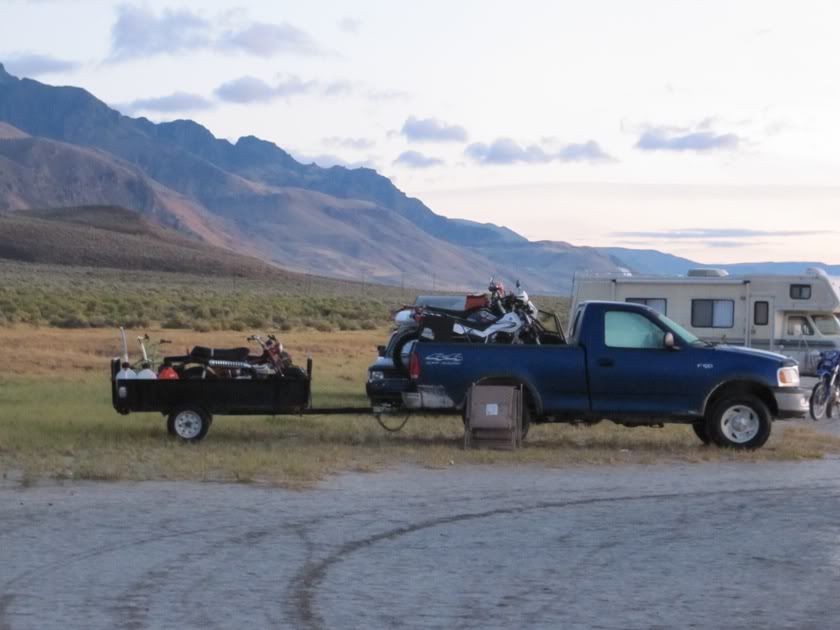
(189, 423)
(701, 430)
(740, 421)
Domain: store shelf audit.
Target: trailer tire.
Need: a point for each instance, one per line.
(740, 421)
(189, 423)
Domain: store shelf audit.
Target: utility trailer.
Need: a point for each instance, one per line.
(190, 404)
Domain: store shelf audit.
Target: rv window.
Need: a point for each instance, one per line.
(761, 313)
(799, 327)
(827, 324)
(660, 305)
(712, 313)
(800, 291)
(631, 330)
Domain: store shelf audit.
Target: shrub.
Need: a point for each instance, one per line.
(72, 320)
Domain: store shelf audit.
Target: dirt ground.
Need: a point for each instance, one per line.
(702, 546)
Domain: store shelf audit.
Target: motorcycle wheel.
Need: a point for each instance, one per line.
(832, 406)
(820, 399)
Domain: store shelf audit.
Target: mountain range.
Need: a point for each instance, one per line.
(61, 146)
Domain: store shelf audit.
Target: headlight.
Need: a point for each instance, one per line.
(376, 376)
(788, 376)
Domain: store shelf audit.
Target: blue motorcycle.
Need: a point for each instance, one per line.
(825, 397)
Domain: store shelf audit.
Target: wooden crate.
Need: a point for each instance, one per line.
(493, 417)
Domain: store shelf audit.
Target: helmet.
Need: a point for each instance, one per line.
(168, 373)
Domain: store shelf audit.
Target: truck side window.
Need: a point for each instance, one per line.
(798, 327)
(623, 329)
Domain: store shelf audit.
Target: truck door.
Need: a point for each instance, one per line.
(631, 372)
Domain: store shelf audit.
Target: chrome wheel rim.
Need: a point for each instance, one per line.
(188, 424)
(740, 424)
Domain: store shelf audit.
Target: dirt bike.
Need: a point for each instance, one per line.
(825, 397)
(515, 322)
(237, 363)
(478, 309)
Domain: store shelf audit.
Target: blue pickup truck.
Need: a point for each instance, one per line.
(626, 363)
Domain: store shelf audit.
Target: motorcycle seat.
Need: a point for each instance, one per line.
(222, 354)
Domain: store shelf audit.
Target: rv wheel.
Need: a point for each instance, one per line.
(188, 423)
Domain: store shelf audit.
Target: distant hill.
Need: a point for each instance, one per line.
(655, 262)
(61, 146)
(105, 236)
(253, 196)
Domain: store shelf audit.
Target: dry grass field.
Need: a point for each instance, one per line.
(56, 421)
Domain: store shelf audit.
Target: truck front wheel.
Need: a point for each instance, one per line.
(701, 430)
(739, 421)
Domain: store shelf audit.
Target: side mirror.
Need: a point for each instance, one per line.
(668, 341)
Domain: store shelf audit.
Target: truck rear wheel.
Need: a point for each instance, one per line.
(740, 421)
(189, 423)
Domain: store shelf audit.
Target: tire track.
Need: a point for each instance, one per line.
(300, 597)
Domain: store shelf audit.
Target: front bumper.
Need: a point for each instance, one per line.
(793, 402)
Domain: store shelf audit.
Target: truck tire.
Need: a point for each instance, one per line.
(188, 423)
(701, 430)
(739, 421)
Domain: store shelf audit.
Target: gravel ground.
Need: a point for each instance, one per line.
(736, 546)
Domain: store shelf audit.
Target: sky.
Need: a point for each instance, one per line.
(709, 129)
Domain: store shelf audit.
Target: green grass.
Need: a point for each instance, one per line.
(66, 429)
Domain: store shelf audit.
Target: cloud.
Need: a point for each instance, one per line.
(266, 40)
(140, 32)
(716, 233)
(175, 102)
(415, 159)
(33, 65)
(432, 130)
(340, 88)
(508, 151)
(349, 25)
(700, 139)
(360, 144)
(253, 90)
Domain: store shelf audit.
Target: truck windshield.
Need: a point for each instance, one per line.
(827, 324)
(686, 336)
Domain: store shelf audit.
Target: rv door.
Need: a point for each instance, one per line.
(762, 320)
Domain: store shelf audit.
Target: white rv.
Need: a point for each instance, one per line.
(794, 315)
